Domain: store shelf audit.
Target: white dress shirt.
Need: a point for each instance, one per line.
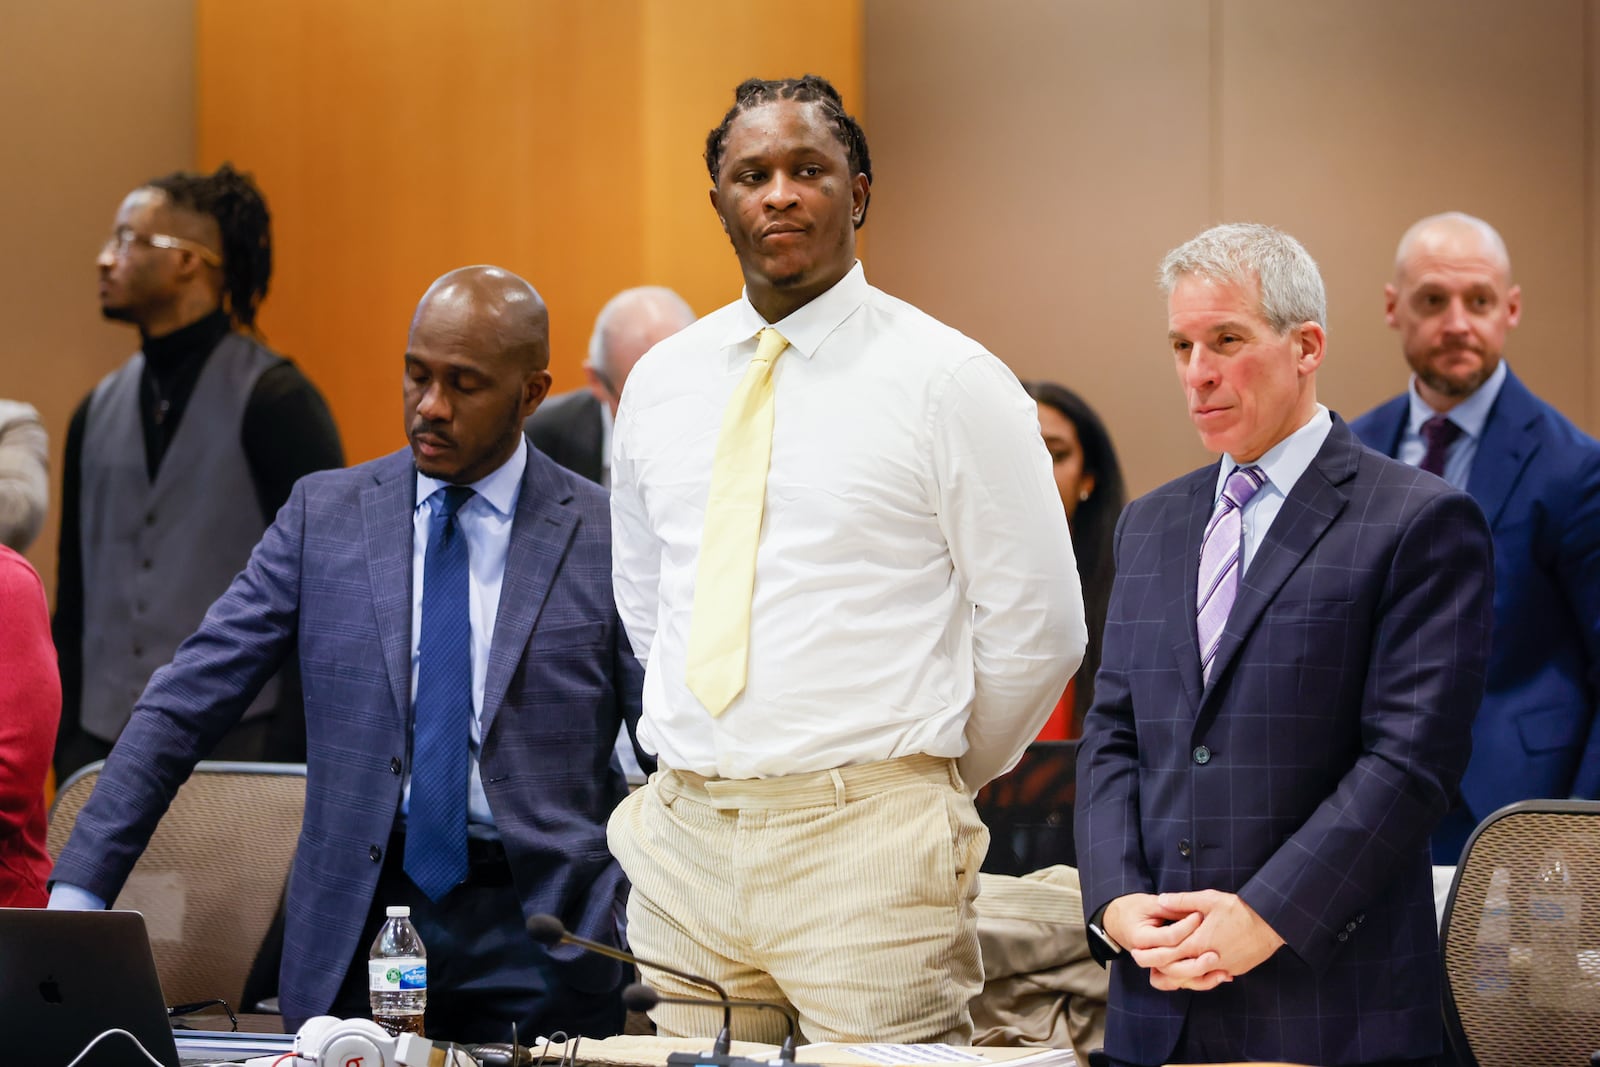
(1283, 464)
(915, 587)
(485, 520)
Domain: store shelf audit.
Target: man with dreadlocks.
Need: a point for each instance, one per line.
(178, 459)
(839, 551)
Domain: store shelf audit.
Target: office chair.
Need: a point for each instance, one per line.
(211, 879)
(1028, 811)
(1521, 938)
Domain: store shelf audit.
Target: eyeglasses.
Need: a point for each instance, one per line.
(120, 241)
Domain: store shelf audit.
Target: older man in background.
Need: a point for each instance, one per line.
(574, 428)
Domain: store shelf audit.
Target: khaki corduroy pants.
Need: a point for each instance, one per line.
(847, 894)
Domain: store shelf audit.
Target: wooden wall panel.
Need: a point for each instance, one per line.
(1345, 123)
(93, 102)
(1036, 158)
(560, 140)
(398, 141)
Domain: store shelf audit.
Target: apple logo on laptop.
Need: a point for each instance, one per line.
(50, 990)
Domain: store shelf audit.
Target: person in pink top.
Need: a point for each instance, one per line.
(30, 708)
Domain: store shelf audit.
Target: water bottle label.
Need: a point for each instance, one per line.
(397, 974)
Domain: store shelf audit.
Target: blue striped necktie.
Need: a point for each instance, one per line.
(1219, 562)
(441, 731)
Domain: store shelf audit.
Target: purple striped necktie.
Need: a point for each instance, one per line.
(1219, 562)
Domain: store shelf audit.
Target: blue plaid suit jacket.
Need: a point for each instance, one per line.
(331, 582)
(1537, 478)
(1307, 774)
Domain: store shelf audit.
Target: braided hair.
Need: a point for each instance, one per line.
(811, 89)
(231, 197)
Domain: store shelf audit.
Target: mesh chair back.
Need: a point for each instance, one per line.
(1028, 811)
(1521, 937)
(210, 881)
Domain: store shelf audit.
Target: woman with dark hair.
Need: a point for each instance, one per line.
(1090, 481)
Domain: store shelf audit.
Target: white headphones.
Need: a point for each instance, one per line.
(345, 1043)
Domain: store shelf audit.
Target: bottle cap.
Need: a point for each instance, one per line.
(398, 911)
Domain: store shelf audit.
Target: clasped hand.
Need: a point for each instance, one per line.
(1190, 940)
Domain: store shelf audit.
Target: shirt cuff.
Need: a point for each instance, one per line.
(65, 897)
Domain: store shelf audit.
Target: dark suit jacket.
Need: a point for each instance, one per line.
(331, 580)
(569, 429)
(1307, 775)
(1537, 478)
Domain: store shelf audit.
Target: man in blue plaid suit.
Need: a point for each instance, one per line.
(338, 580)
(1273, 740)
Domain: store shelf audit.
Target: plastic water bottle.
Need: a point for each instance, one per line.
(1556, 914)
(1492, 952)
(397, 975)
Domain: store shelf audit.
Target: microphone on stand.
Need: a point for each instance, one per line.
(637, 997)
(548, 931)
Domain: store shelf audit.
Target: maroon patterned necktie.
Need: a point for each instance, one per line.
(1438, 433)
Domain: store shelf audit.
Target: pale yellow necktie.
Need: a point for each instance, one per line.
(719, 629)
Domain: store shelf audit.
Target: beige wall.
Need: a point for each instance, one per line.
(1036, 157)
(95, 101)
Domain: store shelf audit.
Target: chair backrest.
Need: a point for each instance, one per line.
(211, 878)
(1028, 811)
(1521, 937)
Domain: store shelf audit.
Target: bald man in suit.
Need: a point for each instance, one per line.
(481, 804)
(1537, 478)
(574, 428)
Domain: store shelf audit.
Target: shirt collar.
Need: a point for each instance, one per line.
(1286, 461)
(500, 487)
(1469, 415)
(807, 327)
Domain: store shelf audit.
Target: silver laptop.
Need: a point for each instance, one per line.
(66, 977)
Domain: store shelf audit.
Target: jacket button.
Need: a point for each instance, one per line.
(395, 765)
(1343, 936)
(1202, 755)
(1184, 848)
(376, 854)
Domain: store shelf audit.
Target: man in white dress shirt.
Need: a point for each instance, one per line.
(913, 614)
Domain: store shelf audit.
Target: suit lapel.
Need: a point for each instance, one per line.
(541, 532)
(386, 514)
(1309, 510)
(1388, 425)
(1180, 562)
(591, 426)
(1508, 444)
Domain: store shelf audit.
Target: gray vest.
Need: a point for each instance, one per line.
(156, 554)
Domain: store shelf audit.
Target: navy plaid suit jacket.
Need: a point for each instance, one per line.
(331, 581)
(1306, 776)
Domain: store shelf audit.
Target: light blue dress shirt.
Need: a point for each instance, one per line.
(486, 521)
(1283, 464)
(1469, 415)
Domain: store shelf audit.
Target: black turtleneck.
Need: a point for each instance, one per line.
(287, 432)
(172, 366)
